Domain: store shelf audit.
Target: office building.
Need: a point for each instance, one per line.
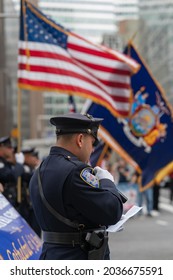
(156, 41)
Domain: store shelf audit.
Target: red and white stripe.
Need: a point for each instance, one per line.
(83, 69)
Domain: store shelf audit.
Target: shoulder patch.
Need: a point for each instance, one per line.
(89, 178)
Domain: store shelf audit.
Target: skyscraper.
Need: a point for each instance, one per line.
(156, 40)
(89, 18)
(126, 10)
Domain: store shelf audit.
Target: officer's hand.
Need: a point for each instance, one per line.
(20, 158)
(103, 174)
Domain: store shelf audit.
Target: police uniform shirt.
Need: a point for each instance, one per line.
(71, 188)
(8, 177)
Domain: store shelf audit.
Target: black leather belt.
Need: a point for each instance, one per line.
(62, 237)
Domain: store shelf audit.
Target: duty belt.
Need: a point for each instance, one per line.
(93, 242)
(75, 238)
(62, 237)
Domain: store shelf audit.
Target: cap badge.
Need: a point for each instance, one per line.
(89, 131)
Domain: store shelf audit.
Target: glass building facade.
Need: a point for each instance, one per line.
(156, 41)
(126, 10)
(89, 18)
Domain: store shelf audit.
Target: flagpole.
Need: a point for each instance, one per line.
(132, 38)
(131, 41)
(19, 189)
(102, 154)
(19, 97)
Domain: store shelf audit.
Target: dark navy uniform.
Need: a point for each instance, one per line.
(25, 207)
(9, 173)
(71, 189)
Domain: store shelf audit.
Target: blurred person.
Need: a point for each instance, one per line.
(73, 202)
(169, 184)
(105, 163)
(31, 162)
(31, 158)
(165, 182)
(123, 170)
(147, 198)
(156, 194)
(123, 175)
(143, 198)
(10, 170)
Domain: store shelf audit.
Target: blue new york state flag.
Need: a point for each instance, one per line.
(145, 137)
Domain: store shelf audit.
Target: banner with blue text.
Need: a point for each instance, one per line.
(18, 240)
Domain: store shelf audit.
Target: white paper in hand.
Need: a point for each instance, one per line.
(132, 211)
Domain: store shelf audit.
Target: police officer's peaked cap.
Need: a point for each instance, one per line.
(5, 141)
(76, 122)
(28, 150)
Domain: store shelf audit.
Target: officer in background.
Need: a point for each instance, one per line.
(10, 170)
(73, 202)
(31, 161)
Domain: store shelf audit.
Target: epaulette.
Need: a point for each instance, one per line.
(73, 160)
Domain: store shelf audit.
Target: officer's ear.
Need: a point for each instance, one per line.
(79, 140)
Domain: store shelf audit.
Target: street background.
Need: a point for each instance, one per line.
(146, 238)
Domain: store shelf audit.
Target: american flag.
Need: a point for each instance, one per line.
(51, 58)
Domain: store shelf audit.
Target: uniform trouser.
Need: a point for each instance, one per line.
(66, 252)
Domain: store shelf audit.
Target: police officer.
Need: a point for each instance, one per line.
(25, 207)
(73, 202)
(10, 170)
